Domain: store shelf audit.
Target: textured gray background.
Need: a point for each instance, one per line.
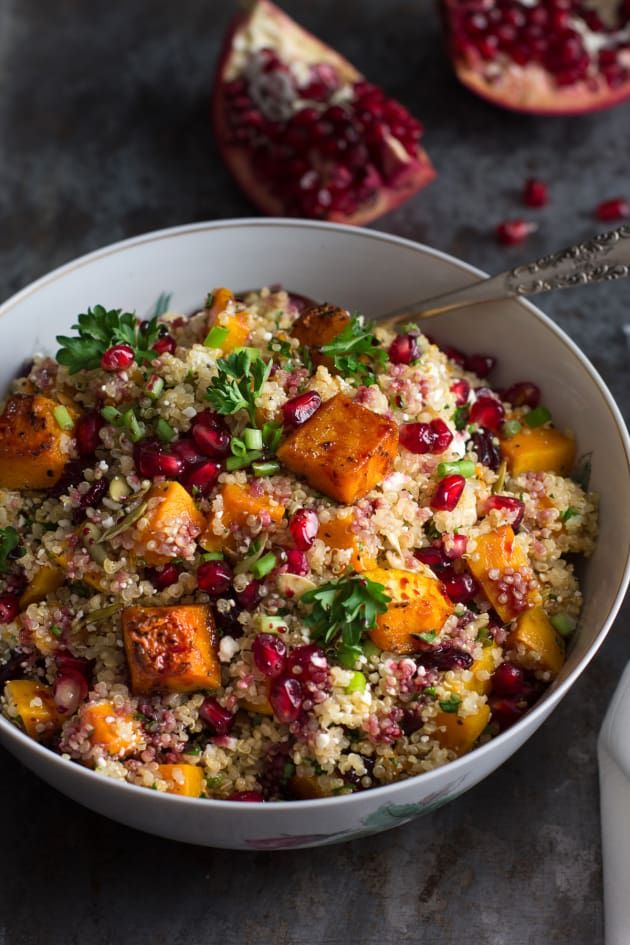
(104, 134)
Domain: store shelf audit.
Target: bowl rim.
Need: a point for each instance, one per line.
(552, 696)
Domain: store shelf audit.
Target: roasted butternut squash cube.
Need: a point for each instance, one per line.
(221, 298)
(114, 730)
(418, 605)
(536, 642)
(482, 670)
(304, 787)
(344, 450)
(239, 502)
(460, 734)
(173, 514)
(44, 582)
(33, 447)
(338, 533)
(495, 558)
(318, 326)
(35, 707)
(171, 649)
(185, 780)
(543, 449)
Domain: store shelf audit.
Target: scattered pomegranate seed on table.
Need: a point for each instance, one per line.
(610, 210)
(535, 193)
(513, 232)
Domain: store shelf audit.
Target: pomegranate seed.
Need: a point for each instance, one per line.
(286, 697)
(69, 690)
(247, 797)
(461, 588)
(456, 547)
(86, 431)
(434, 557)
(480, 364)
(214, 577)
(535, 193)
(403, 349)
(152, 460)
(461, 389)
(67, 663)
(304, 526)
(488, 453)
(508, 680)
(433, 437)
(187, 451)
(506, 503)
(212, 441)
(443, 657)
(9, 608)
(523, 394)
(90, 499)
(487, 412)
(249, 596)
(455, 355)
(202, 478)
(448, 493)
(164, 576)
(512, 232)
(297, 562)
(442, 434)
(301, 408)
(118, 358)
(505, 712)
(270, 655)
(218, 719)
(164, 345)
(208, 418)
(616, 209)
(309, 664)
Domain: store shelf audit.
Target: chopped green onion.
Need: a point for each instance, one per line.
(511, 428)
(55, 630)
(111, 415)
(357, 683)
(264, 565)
(154, 386)
(165, 431)
(255, 550)
(451, 705)
(537, 417)
(565, 624)
(216, 336)
(135, 428)
(271, 434)
(237, 446)
(212, 556)
(253, 438)
(348, 655)
(269, 468)
(240, 462)
(463, 467)
(63, 417)
(268, 623)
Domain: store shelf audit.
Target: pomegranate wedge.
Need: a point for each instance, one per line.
(559, 57)
(303, 133)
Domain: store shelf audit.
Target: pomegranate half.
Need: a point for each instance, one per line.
(303, 132)
(559, 57)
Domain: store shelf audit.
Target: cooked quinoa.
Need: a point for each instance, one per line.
(267, 552)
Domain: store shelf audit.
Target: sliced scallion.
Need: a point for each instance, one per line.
(462, 467)
(216, 337)
(537, 417)
(240, 462)
(154, 386)
(264, 565)
(269, 468)
(63, 417)
(111, 415)
(510, 428)
(253, 438)
(357, 683)
(564, 623)
(165, 432)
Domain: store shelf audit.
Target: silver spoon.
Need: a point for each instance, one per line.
(601, 259)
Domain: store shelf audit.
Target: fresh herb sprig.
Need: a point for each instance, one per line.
(343, 610)
(356, 352)
(239, 382)
(98, 329)
(9, 541)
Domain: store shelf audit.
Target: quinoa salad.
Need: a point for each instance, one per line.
(271, 552)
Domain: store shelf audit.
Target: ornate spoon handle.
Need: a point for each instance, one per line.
(600, 259)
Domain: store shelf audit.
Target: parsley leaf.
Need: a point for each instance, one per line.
(239, 382)
(99, 329)
(451, 704)
(460, 417)
(356, 352)
(345, 609)
(568, 513)
(9, 540)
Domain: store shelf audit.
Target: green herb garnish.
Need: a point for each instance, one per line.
(99, 329)
(568, 513)
(451, 704)
(460, 417)
(345, 609)
(9, 541)
(356, 352)
(239, 382)
(428, 636)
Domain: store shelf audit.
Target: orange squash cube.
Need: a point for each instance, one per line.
(318, 326)
(536, 642)
(337, 533)
(44, 582)
(175, 512)
(185, 780)
(495, 554)
(35, 706)
(460, 734)
(238, 504)
(33, 447)
(543, 449)
(118, 732)
(171, 649)
(344, 450)
(417, 606)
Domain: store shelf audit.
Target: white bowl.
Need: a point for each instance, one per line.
(373, 273)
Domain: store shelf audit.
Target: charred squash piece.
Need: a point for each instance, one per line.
(238, 504)
(171, 649)
(543, 449)
(344, 450)
(303, 787)
(175, 512)
(536, 642)
(496, 556)
(417, 606)
(338, 534)
(318, 326)
(460, 734)
(35, 706)
(119, 733)
(185, 780)
(33, 447)
(45, 582)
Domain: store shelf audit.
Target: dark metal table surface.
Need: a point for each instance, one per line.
(104, 134)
